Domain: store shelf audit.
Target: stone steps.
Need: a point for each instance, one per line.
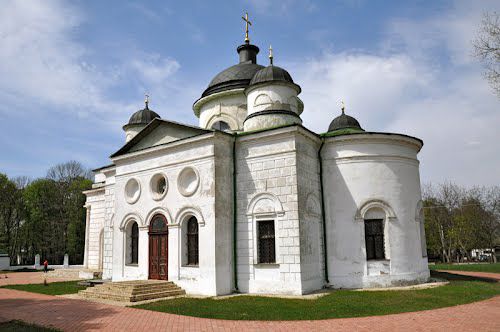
(133, 291)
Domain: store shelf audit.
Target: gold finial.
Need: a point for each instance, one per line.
(146, 100)
(342, 107)
(247, 23)
(270, 54)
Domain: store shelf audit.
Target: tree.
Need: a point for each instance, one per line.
(487, 48)
(11, 212)
(68, 171)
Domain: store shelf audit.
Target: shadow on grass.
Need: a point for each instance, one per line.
(459, 277)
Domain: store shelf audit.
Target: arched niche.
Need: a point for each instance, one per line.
(262, 99)
(372, 206)
(265, 204)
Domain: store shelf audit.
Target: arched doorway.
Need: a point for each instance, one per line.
(158, 248)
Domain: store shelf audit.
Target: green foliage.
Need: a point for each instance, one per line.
(52, 288)
(490, 268)
(45, 216)
(338, 304)
(11, 213)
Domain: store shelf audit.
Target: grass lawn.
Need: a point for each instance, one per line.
(53, 288)
(19, 326)
(19, 270)
(486, 267)
(341, 303)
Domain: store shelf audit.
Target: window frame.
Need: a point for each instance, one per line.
(132, 244)
(190, 237)
(260, 238)
(372, 256)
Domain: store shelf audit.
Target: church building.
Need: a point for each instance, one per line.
(252, 201)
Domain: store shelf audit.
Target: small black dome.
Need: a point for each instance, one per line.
(143, 116)
(272, 74)
(344, 121)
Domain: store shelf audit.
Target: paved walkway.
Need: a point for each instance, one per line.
(78, 315)
(495, 276)
(18, 278)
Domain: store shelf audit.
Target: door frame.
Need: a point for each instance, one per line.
(155, 234)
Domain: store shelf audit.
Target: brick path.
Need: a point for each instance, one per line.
(18, 278)
(488, 275)
(78, 315)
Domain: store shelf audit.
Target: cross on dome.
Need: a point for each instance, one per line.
(247, 23)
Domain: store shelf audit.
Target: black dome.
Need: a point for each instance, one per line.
(271, 73)
(344, 121)
(237, 76)
(143, 116)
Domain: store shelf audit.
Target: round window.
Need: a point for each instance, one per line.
(159, 186)
(132, 191)
(188, 181)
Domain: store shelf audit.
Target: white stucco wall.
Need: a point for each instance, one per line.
(132, 130)
(309, 207)
(228, 106)
(198, 153)
(262, 97)
(267, 190)
(96, 203)
(379, 171)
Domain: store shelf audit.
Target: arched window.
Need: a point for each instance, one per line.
(133, 243)
(374, 239)
(192, 241)
(221, 125)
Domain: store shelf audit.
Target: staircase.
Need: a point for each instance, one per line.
(132, 291)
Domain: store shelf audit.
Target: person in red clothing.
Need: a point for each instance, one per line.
(45, 266)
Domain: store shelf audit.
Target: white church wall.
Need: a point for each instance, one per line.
(227, 106)
(365, 172)
(176, 205)
(224, 222)
(267, 190)
(109, 194)
(309, 202)
(132, 130)
(263, 96)
(96, 203)
(276, 96)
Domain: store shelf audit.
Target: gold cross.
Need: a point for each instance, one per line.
(247, 21)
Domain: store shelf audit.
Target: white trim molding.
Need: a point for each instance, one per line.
(131, 216)
(159, 210)
(187, 211)
(374, 203)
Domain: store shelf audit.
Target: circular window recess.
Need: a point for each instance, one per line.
(188, 181)
(159, 186)
(132, 191)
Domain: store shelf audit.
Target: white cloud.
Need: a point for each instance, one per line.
(39, 60)
(405, 88)
(154, 69)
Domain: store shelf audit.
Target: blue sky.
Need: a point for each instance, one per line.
(72, 73)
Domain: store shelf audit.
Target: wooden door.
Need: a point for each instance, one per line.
(158, 248)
